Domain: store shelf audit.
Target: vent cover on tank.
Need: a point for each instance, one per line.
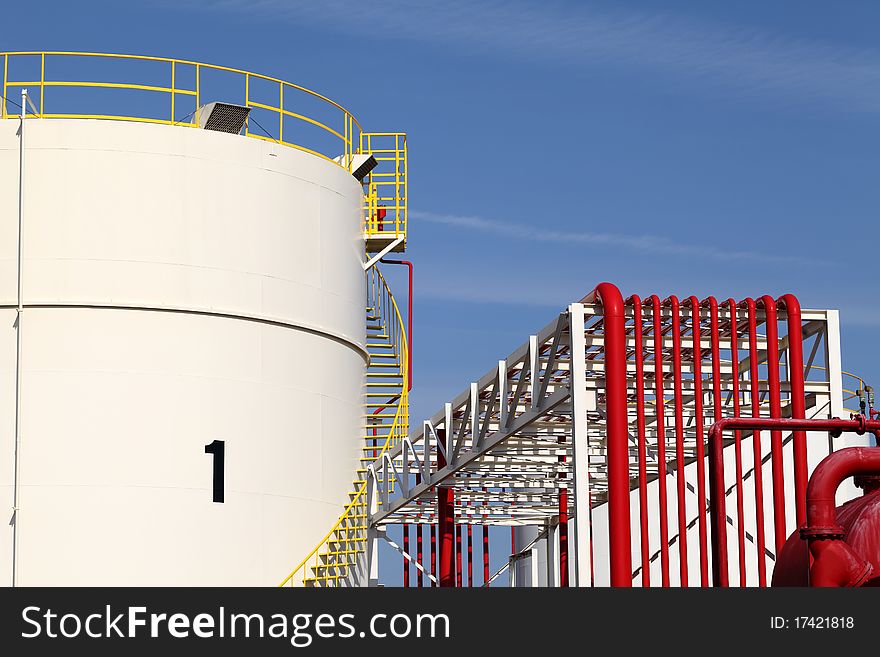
(223, 117)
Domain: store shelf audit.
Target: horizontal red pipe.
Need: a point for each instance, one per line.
(858, 425)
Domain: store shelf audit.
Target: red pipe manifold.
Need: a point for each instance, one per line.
(667, 324)
(835, 563)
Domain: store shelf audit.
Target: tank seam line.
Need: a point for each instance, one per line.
(208, 313)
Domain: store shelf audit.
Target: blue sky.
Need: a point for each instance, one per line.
(672, 148)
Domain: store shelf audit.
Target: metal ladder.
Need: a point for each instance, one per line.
(339, 559)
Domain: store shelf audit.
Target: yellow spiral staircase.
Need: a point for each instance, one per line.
(339, 559)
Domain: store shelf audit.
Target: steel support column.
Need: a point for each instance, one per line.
(580, 467)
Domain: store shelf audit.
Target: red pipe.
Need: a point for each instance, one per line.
(458, 556)
(737, 448)
(470, 554)
(859, 424)
(486, 574)
(420, 555)
(661, 439)
(563, 526)
(697, 339)
(679, 441)
(776, 468)
(821, 520)
(405, 559)
(792, 308)
(409, 317)
(719, 543)
(617, 433)
(835, 563)
(638, 334)
(434, 554)
(445, 522)
(754, 388)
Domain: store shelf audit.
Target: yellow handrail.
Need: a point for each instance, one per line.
(386, 184)
(852, 393)
(344, 133)
(398, 428)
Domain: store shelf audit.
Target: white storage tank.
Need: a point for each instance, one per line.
(179, 287)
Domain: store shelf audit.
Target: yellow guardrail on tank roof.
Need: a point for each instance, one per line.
(297, 117)
(183, 79)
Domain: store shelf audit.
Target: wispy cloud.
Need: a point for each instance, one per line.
(743, 58)
(649, 244)
(496, 292)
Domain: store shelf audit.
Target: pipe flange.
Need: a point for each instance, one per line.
(822, 533)
(862, 421)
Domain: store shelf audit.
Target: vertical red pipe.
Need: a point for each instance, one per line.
(617, 427)
(405, 559)
(716, 464)
(697, 339)
(458, 556)
(420, 556)
(796, 382)
(740, 505)
(409, 317)
(445, 522)
(661, 439)
(754, 388)
(679, 441)
(434, 554)
(776, 466)
(486, 574)
(470, 554)
(563, 526)
(642, 441)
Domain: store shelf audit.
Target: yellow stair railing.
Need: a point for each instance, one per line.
(339, 557)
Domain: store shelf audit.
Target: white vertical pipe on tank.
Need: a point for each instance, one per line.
(18, 313)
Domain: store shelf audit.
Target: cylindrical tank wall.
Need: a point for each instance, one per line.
(531, 571)
(180, 287)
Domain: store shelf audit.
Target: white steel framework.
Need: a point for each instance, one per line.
(536, 424)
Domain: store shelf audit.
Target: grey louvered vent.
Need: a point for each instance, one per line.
(223, 117)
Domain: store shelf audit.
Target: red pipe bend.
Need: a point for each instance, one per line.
(835, 562)
(617, 431)
(827, 477)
